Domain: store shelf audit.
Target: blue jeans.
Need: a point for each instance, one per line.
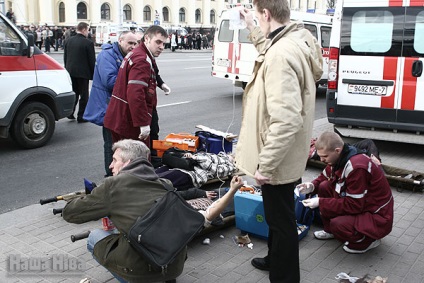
(93, 238)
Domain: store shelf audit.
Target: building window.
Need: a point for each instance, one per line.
(127, 13)
(61, 12)
(81, 11)
(147, 13)
(182, 15)
(105, 11)
(212, 16)
(165, 14)
(198, 17)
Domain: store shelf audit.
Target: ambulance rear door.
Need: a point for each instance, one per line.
(379, 49)
(233, 53)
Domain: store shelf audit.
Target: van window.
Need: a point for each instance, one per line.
(372, 31)
(225, 34)
(243, 36)
(312, 29)
(325, 37)
(10, 43)
(419, 33)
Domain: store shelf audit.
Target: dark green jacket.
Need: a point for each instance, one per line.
(123, 198)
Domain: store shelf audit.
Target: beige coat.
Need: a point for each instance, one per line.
(279, 105)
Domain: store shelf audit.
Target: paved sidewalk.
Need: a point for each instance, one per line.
(35, 245)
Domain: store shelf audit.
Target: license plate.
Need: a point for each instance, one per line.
(224, 63)
(367, 89)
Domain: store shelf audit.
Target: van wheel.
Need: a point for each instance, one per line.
(33, 125)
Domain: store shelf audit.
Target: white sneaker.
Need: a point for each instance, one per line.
(85, 280)
(322, 235)
(374, 244)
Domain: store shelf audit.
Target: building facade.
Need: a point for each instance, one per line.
(185, 13)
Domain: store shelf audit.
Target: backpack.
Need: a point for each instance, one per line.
(165, 230)
(304, 216)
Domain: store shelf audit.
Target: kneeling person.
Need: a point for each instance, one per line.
(354, 197)
(128, 194)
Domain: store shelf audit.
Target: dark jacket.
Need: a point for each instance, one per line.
(123, 198)
(105, 73)
(79, 57)
(134, 95)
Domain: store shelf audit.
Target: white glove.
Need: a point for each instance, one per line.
(166, 89)
(144, 132)
(311, 202)
(305, 188)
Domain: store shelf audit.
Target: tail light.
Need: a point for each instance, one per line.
(333, 65)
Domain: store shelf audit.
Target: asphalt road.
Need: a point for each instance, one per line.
(76, 150)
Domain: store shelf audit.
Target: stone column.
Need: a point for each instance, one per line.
(95, 12)
(157, 9)
(20, 9)
(46, 12)
(190, 13)
(137, 14)
(206, 11)
(175, 15)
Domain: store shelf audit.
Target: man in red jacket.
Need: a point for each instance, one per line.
(134, 99)
(354, 197)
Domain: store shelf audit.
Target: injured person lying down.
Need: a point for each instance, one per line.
(207, 166)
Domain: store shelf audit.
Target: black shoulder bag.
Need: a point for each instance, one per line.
(166, 229)
(174, 158)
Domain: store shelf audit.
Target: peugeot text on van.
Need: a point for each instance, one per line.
(35, 90)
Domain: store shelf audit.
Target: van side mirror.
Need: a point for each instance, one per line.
(30, 48)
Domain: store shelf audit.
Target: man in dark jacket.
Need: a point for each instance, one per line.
(79, 59)
(354, 196)
(107, 66)
(128, 194)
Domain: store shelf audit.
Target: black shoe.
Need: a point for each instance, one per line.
(81, 120)
(71, 117)
(261, 263)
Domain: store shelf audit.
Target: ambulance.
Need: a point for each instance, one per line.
(35, 90)
(375, 80)
(108, 32)
(234, 54)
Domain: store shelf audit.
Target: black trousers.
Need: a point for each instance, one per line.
(80, 87)
(283, 244)
(154, 131)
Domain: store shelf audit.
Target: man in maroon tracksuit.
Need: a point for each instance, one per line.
(354, 197)
(134, 99)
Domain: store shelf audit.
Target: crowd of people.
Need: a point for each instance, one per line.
(191, 41)
(353, 196)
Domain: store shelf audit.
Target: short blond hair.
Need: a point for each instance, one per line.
(329, 141)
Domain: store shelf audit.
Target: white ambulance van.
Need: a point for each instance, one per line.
(234, 54)
(35, 90)
(108, 32)
(375, 79)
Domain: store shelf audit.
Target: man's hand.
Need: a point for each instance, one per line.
(166, 89)
(261, 179)
(247, 15)
(305, 188)
(236, 183)
(144, 132)
(210, 194)
(311, 202)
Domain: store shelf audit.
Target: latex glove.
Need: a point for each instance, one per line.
(311, 202)
(144, 132)
(261, 179)
(166, 89)
(305, 188)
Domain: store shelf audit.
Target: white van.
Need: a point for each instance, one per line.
(35, 90)
(234, 54)
(107, 32)
(375, 76)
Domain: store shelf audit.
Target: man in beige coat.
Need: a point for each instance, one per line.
(278, 113)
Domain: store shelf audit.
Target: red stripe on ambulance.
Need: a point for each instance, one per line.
(237, 70)
(230, 57)
(22, 63)
(416, 3)
(395, 3)
(389, 74)
(409, 88)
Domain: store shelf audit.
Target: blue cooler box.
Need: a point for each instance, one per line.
(250, 216)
